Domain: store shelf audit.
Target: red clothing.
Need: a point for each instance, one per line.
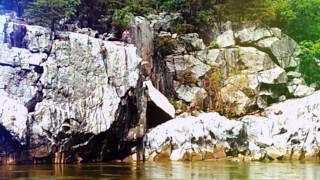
(125, 34)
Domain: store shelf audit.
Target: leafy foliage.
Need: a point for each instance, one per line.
(244, 10)
(122, 17)
(299, 18)
(310, 61)
(47, 11)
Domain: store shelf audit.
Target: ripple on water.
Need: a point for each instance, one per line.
(166, 170)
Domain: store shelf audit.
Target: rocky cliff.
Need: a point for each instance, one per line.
(244, 70)
(77, 97)
(51, 88)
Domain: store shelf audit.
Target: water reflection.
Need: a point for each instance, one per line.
(168, 170)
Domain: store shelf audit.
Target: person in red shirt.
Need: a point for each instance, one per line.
(126, 36)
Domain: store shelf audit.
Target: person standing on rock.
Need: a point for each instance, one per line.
(125, 36)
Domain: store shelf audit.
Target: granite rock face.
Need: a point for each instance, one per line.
(284, 131)
(72, 77)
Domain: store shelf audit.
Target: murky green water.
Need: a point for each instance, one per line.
(174, 170)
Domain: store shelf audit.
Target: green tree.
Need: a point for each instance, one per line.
(310, 61)
(50, 11)
(245, 10)
(122, 17)
(299, 18)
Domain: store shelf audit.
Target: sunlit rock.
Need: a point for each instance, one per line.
(253, 34)
(226, 39)
(286, 131)
(159, 99)
(13, 116)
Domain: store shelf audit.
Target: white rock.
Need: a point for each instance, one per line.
(236, 100)
(188, 93)
(267, 43)
(13, 116)
(296, 119)
(159, 99)
(273, 76)
(303, 91)
(294, 74)
(253, 34)
(226, 39)
(254, 60)
(212, 57)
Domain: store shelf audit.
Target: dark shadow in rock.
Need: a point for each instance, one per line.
(114, 143)
(155, 115)
(8, 143)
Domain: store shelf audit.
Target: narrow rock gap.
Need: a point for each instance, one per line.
(155, 115)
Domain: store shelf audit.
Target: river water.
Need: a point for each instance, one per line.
(169, 170)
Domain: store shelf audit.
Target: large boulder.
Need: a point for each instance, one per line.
(143, 38)
(226, 39)
(192, 42)
(72, 82)
(86, 78)
(189, 68)
(286, 51)
(253, 34)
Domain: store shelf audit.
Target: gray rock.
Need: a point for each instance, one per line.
(187, 64)
(165, 21)
(285, 50)
(192, 42)
(143, 38)
(212, 57)
(188, 93)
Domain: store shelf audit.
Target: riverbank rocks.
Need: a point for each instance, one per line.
(286, 131)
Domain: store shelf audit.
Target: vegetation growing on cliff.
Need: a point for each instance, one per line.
(300, 19)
